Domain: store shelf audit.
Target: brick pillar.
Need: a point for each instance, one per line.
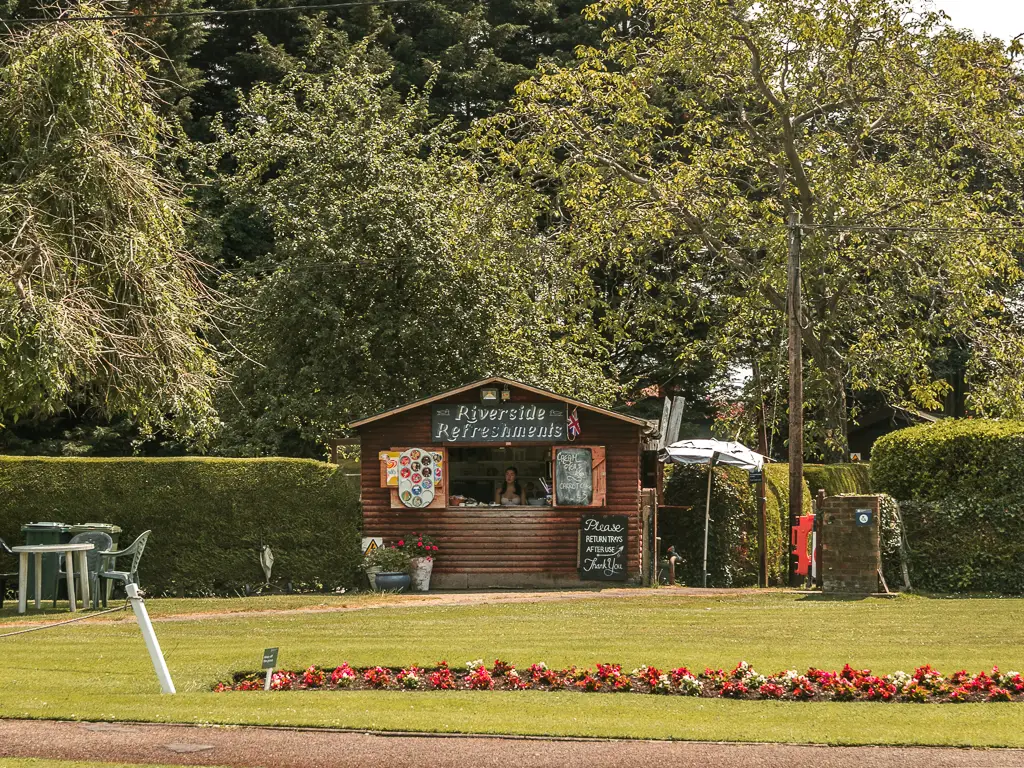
(851, 556)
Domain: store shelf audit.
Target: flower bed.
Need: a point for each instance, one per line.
(742, 682)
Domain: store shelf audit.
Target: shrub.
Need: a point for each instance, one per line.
(838, 479)
(732, 535)
(890, 536)
(976, 458)
(966, 544)
(733, 553)
(388, 559)
(776, 486)
(208, 516)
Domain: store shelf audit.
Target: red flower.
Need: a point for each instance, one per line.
(419, 543)
(401, 542)
(435, 547)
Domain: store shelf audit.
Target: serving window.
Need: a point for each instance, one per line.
(477, 474)
(548, 475)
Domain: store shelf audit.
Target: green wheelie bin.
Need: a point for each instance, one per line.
(45, 533)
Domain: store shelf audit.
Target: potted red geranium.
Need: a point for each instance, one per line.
(422, 550)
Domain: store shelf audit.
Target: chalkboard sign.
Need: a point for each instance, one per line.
(574, 477)
(603, 540)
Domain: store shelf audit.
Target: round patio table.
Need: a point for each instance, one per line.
(69, 551)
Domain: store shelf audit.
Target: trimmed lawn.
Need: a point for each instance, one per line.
(101, 671)
(159, 607)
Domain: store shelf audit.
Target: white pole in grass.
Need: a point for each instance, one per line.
(152, 644)
(707, 512)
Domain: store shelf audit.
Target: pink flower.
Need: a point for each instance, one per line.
(401, 542)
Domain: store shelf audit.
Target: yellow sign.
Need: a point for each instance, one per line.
(371, 543)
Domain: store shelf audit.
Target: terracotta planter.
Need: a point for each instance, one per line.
(392, 582)
(420, 569)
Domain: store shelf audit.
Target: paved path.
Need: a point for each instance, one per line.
(312, 748)
(462, 597)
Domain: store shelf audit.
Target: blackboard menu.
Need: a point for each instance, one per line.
(574, 477)
(603, 547)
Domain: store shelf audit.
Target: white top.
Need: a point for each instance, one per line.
(54, 548)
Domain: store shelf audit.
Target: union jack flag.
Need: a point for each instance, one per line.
(573, 425)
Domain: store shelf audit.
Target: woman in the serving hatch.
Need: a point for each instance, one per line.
(511, 493)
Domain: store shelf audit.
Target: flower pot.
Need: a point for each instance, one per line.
(371, 574)
(420, 569)
(392, 582)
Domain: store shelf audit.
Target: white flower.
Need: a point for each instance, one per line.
(900, 679)
(690, 685)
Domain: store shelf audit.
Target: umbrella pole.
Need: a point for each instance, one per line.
(707, 515)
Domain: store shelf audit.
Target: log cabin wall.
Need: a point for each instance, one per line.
(481, 547)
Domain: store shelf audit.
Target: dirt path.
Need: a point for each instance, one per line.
(310, 748)
(439, 599)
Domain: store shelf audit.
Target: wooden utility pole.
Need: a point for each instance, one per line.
(796, 388)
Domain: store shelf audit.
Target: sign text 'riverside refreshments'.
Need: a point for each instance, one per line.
(509, 422)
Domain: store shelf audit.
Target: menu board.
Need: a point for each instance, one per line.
(603, 540)
(574, 477)
(420, 471)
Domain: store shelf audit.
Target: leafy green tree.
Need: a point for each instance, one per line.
(164, 46)
(484, 48)
(393, 271)
(700, 128)
(101, 303)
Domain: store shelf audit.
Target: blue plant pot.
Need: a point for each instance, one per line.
(393, 582)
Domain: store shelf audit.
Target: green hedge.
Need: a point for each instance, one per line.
(208, 516)
(733, 554)
(838, 479)
(971, 458)
(963, 544)
(776, 486)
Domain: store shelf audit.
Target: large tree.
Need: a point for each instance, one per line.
(161, 35)
(392, 271)
(717, 134)
(474, 51)
(101, 303)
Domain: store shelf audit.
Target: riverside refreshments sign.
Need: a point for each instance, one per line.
(508, 422)
(603, 547)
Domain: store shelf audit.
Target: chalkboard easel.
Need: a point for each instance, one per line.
(604, 544)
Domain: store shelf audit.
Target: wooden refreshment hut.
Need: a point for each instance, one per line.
(434, 465)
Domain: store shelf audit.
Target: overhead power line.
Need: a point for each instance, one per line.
(203, 13)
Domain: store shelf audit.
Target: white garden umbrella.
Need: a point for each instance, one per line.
(712, 452)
